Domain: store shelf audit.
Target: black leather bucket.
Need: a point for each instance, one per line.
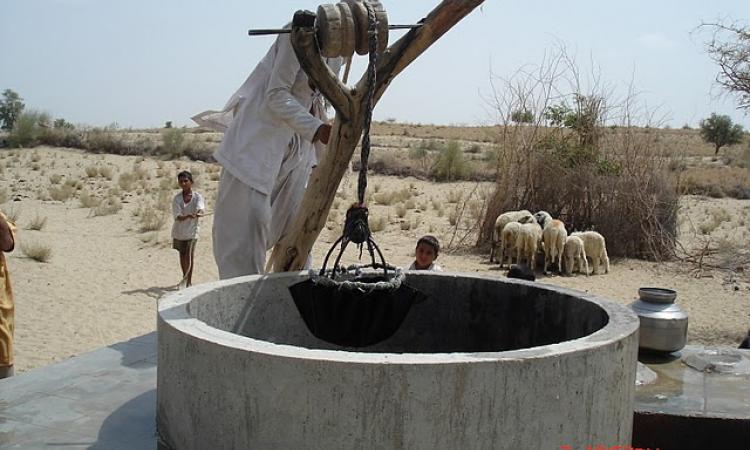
(357, 312)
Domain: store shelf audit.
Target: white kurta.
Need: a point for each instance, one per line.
(267, 155)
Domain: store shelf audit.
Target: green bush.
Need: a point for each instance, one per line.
(173, 142)
(451, 164)
(27, 130)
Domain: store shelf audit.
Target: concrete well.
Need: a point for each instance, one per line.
(484, 363)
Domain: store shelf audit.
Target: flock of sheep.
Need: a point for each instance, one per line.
(521, 234)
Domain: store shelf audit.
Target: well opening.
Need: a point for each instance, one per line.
(465, 315)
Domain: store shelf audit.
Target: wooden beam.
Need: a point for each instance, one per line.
(291, 252)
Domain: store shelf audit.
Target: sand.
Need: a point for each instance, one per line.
(104, 277)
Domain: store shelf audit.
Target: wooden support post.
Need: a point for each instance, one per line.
(291, 252)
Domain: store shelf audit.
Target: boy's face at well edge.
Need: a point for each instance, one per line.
(424, 254)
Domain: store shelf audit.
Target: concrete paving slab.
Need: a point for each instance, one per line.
(105, 399)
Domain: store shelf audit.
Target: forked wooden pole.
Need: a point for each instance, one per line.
(291, 252)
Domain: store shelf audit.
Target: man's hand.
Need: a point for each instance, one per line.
(323, 134)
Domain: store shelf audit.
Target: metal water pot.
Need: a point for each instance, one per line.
(663, 323)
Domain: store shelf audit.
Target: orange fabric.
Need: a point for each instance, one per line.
(6, 309)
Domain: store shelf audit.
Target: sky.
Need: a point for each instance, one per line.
(141, 63)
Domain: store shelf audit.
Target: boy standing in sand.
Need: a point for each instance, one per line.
(7, 242)
(426, 253)
(187, 206)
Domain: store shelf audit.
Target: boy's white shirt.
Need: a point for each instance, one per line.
(434, 267)
(186, 230)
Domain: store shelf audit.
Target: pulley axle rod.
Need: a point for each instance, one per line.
(264, 32)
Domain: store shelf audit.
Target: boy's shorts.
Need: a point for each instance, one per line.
(183, 246)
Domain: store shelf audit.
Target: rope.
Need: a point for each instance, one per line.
(371, 77)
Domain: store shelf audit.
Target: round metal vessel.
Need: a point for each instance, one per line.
(664, 324)
(482, 363)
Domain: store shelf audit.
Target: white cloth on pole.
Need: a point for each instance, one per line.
(187, 229)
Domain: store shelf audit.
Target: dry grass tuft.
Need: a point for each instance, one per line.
(36, 251)
(92, 171)
(37, 223)
(151, 218)
(108, 206)
(62, 193)
(378, 224)
(88, 200)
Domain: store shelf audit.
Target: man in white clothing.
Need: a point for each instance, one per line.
(267, 155)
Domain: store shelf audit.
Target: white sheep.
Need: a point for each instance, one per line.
(508, 239)
(522, 216)
(596, 249)
(527, 242)
(554, 235)
(575, 255)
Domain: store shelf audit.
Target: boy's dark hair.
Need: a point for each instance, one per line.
(431, 241)
(185, 174)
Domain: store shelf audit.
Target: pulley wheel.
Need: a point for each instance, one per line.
(348, 39)
(329, 34)
(382, 24)
(359, 12)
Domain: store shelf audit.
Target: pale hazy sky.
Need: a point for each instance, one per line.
(140, 63)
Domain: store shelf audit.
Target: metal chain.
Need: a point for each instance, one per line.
(371, 78)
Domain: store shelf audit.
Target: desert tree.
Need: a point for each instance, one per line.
(720, 131)
(11, 107)
(729, 48)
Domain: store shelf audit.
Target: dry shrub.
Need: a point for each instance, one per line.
(55, 178)
(716, 182)
(405, 225)
(62, 193)
(36, 251)
(107, 140)
(126, 181)
(88, 200)
(13, 214)
(616, 183)
(3, 195)
(37, 223)
(108, 206)
(400, 210)
(378, 224)
(151, 218)
(454, 196)
(106, 172)
(92, 171)
(627, 196)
